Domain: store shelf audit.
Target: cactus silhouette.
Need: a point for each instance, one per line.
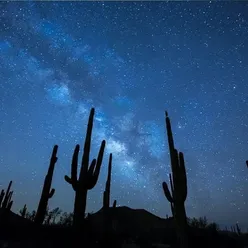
(23, 211)
(238, 229)
(178, 184)
(88, 175)
(10, 202)
(108, 212)
(5, 198)
(1, 197)
(47, 192)
(106, 194)
(114, 204)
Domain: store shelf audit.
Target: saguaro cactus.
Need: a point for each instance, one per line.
(47, 192)
(5, 198)
(1, 197)
(238, 229)
(88, 175)
(109, 212)
(178, 183)
(114, 204)
(106, 193)
(23, 211)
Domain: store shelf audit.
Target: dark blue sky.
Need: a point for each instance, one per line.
(131, 61)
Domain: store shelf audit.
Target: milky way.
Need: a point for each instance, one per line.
(131, 61)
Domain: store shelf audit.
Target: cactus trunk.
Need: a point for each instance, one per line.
(178, 184)
(108, 212)
(79, 207)
(47, 192)
(106, 194)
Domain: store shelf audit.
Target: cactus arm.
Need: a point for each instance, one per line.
(183, 177)
(50, 195)
(99, 160)
(73, 179)
(91, 180)
(167, 192)
(74, 165)
(171, 184)
(68, 179)
(87, 144)
(92, 168)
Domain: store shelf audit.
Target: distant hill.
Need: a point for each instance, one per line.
(133, 222)
(127, 222)
(124, 217)
(15, 219)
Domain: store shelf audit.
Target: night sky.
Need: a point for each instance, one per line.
(131, 61)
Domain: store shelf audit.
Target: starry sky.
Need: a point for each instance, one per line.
(131, 61)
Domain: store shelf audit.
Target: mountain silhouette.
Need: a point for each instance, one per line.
(137, 224)
(130, 220)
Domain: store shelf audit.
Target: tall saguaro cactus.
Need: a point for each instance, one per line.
(47, 192)
(88, 175)
(106, 193)
(178, 183)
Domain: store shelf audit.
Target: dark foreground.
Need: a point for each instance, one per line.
(23, 233)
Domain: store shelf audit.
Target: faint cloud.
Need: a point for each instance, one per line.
(82, 109)
(125, 123)
(59, 94)
(116, 147)
(80, 50)
(123, 101)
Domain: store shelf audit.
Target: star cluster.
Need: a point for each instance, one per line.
(131, 61)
